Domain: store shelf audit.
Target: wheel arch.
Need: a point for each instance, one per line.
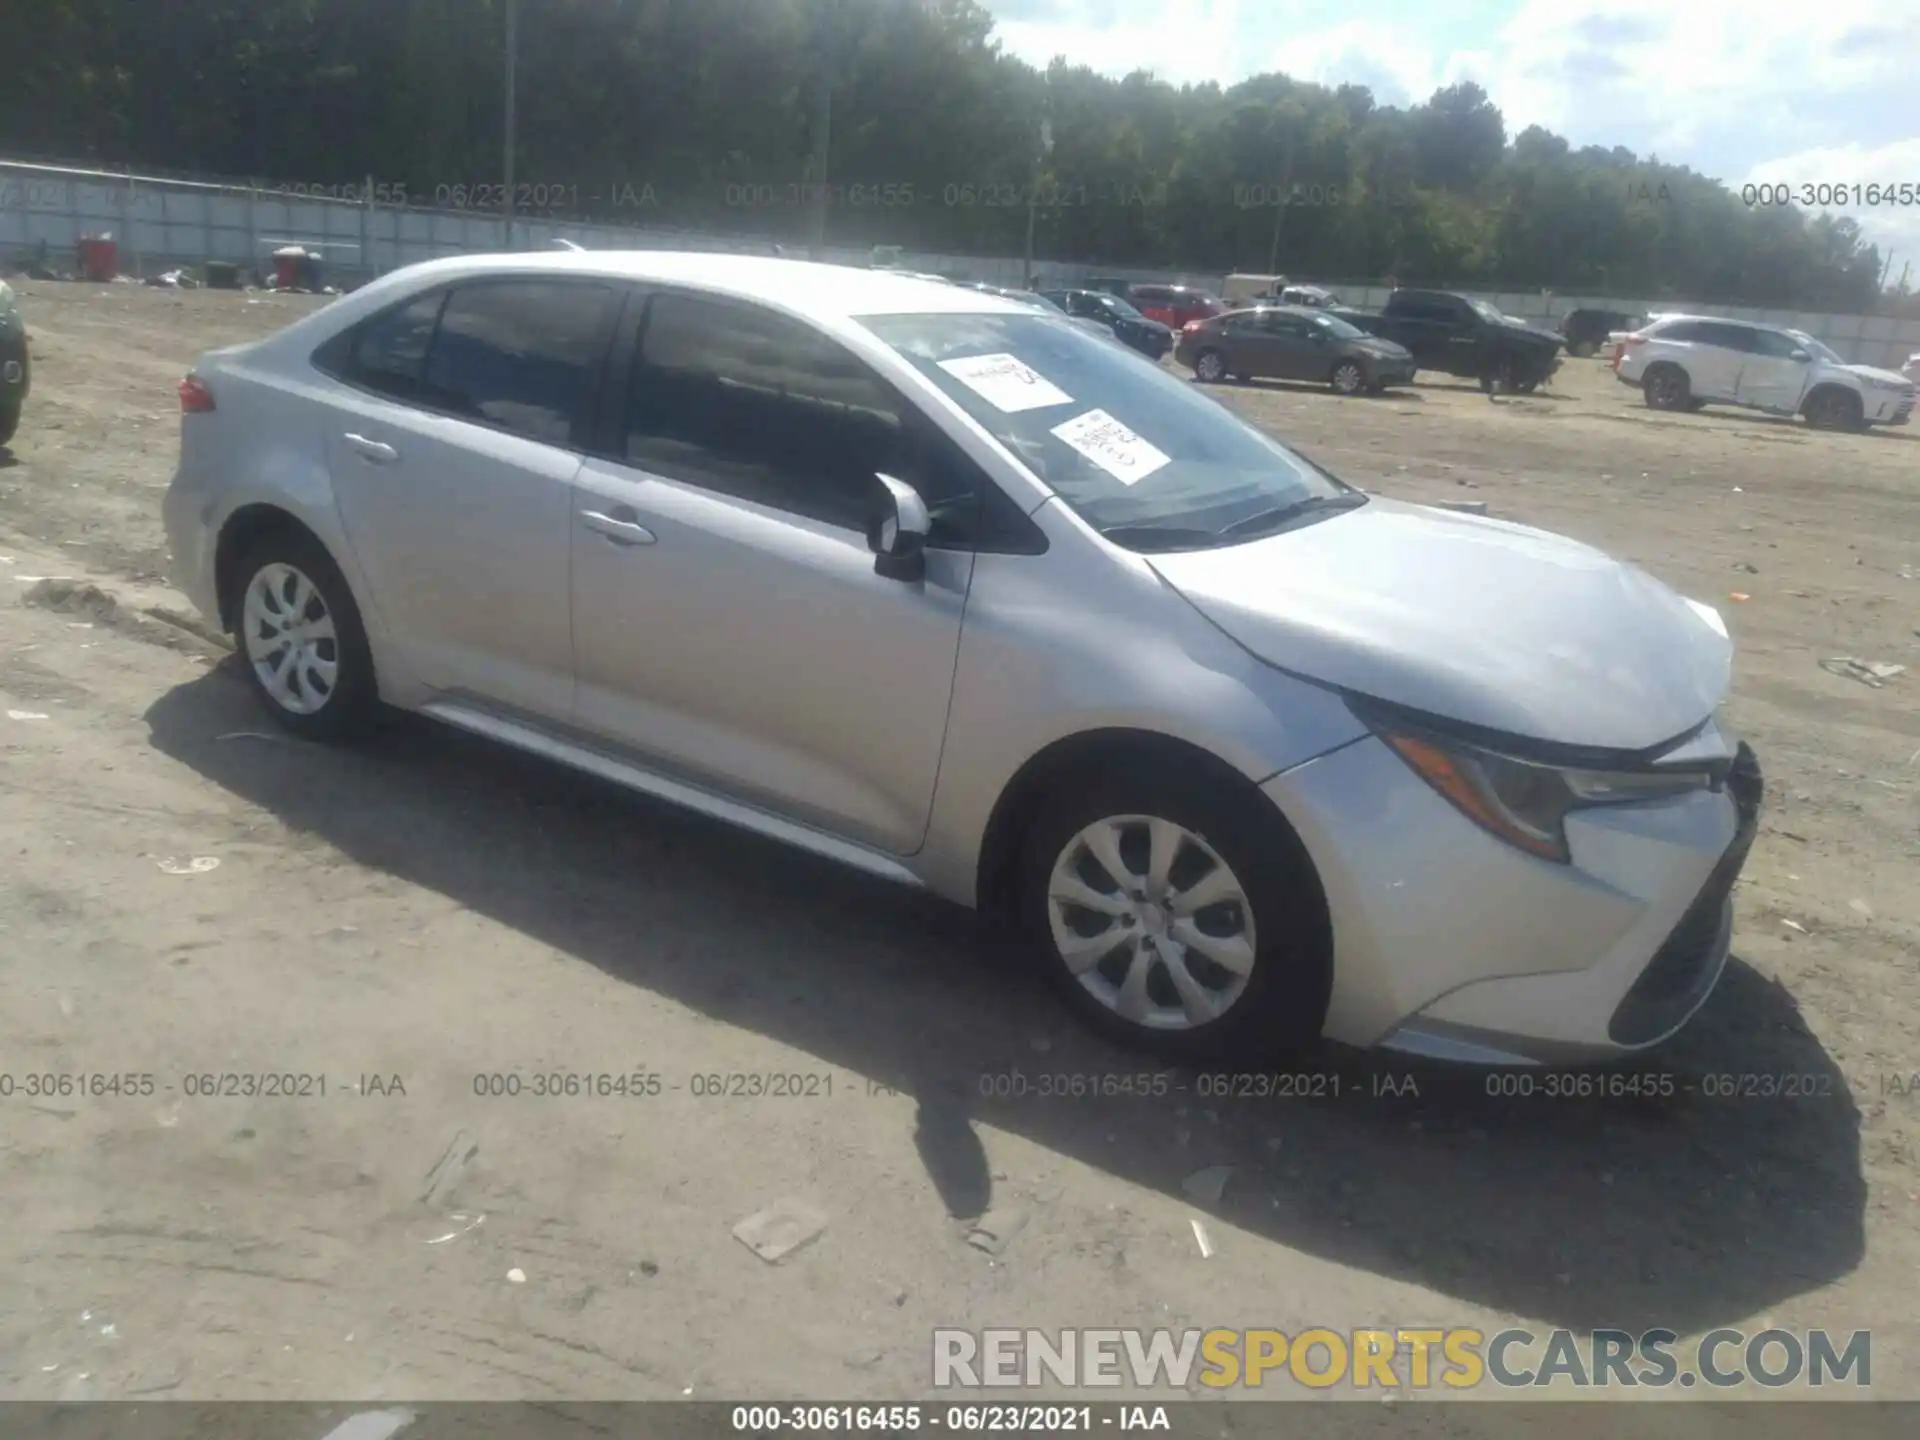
(1831, 388)
(241, 530)
(1060, 763)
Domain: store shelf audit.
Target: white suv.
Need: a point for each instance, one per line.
(1683, 362)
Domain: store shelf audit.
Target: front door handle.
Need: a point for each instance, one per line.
(376, 451)
(620, 530)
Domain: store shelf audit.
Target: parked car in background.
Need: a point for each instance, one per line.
(1110, 284)
(1317, 296)
(1129, 326)
(1243, 290)
(1686, 362)
(1459, 335)
(16, 364)
(1292, 342)
(1585, 331)
(1912, 368)
(1174, 305)
(1040, 302)
(937, 588)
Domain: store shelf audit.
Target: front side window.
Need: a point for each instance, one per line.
(740, 400)
(1145, 458)
(1730, 337)
(518, 355)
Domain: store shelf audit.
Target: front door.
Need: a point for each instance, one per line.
(728, 621)
(1771, 379)
(452, 449)
(1292, 349)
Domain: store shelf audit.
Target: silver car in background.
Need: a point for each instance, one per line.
(942, 587)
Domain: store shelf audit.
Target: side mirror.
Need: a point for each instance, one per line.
(1799, 355)
(898, 532)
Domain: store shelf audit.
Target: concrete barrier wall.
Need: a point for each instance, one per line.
(162, 222)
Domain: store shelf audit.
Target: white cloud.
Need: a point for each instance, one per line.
(1728, 87)
(1894, 227)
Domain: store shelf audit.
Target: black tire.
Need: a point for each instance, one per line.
(1666, 387)
(1831, 408)
(1525, 387)
(1497, 378)
(1582, 348)
(1283, 1005)
(9, 421)
(1210, 367)
(348, 709)
(1349, 377)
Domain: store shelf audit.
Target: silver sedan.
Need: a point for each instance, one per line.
(942, 587)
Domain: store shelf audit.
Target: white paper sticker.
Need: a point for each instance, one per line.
(1006, 384)
(1111, 446)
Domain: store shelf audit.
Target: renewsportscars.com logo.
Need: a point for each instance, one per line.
(1402, 1359)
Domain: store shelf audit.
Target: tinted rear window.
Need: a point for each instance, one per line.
(517, 354)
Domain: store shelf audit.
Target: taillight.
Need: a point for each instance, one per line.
(195, 397)
(1191, 326)
(1620, 351)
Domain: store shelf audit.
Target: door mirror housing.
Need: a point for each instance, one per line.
(898, 532)
(1799, 355)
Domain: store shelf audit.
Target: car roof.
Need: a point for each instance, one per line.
(802, 287)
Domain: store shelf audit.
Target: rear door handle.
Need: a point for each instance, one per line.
(617, 528)
(376, 451)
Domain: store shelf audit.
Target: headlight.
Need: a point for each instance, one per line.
(1524, 803)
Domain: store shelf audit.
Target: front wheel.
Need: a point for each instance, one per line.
(1497, 378)
(1175, 917)
(300, 635)
(1210, 366)
(1835, 410)
(1348, 378)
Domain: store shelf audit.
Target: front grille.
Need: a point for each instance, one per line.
(1684, 967)
(1903, 410)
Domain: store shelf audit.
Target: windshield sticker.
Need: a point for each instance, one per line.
(1006, 384)
(1111, 446)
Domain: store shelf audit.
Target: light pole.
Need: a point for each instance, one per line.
(1033, 190)
(828, 48)
(513, 56)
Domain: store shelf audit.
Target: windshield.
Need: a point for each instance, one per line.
(1125, 443)
(1045, 301)
(1339, 328)
(1813, 346)
(1486, 311)
(1116, 306)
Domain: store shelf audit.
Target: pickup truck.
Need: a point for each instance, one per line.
(1457, 335)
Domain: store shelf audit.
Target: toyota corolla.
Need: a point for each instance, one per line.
(941, 587)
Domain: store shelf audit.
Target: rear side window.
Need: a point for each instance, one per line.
(387, 354)
(1729, 337)
(518, 355)
(1685, 332)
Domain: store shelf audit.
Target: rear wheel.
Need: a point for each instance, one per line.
(9, 420)
(1176, 918)
(1497, 378)
(301, 638)
(1835, 409)
(1667, 388)
(1348, 378)
(1210, 366)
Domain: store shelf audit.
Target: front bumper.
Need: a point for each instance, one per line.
(1451, 944)
(1893, 408)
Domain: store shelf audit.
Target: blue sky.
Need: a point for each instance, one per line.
(1758, 91)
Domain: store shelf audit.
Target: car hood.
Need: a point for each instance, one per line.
(1479, 621)
(1533, 332)
(1874, 372)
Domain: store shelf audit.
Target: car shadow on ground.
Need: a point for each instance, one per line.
(1314, 387)
(1684, 1212)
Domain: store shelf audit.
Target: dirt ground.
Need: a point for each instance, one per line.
(403, 919)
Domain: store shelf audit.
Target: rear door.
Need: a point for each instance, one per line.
(1244, 343)
(1715, 358)
(452, 446)
(1155, 302)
